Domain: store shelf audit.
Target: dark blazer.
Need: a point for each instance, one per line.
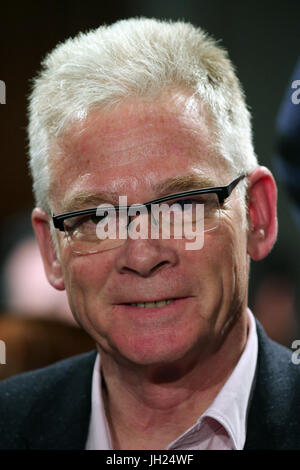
(50, 408)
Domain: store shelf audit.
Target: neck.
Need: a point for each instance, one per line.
(149, 406)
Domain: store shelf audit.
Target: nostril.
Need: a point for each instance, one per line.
(159, 265)
(145, 257)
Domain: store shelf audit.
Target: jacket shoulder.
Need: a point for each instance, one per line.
(31, 401)
(274, 415)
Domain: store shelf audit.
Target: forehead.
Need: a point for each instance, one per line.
(133, 147)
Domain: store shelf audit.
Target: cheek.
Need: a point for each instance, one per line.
(208, 261)
(206, 270)
(222, 262)
(234, 264)
(85, 278)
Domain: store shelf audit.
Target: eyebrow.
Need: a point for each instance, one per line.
(187, 182)
(87, 199)
(170, 186)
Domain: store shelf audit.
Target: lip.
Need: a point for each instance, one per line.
(136, 301)
(135, 312)
(146, 301)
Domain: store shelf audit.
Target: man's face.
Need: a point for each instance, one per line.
(131, 150)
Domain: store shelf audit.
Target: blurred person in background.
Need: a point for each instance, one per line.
(274, 304)
(24, 286)
(275, 299)
(287, 152)
(36, 323)
(28, 291)
(151, 111)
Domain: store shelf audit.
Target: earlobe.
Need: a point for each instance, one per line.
(52, 265)
(262, 213)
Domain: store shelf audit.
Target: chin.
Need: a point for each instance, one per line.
(153, 349)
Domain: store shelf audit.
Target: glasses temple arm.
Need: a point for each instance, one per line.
(227, 190)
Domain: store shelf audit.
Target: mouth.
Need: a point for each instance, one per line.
(154, 309)
(155, 304)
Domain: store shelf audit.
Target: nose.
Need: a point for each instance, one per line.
(145, 257)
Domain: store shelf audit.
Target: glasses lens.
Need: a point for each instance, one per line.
(185, 217)
(92, 233)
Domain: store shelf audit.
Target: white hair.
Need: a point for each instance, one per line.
(136, 58)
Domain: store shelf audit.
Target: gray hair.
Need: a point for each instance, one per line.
(136, 58)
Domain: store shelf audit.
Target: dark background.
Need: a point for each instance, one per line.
(263, 39)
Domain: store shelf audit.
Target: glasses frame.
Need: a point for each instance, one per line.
(222, 192)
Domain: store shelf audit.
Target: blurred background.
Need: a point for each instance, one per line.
(263, 40)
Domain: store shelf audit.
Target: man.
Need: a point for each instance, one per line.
(139, 112)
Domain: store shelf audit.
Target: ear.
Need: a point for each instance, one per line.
(52, 266)
(262, 213)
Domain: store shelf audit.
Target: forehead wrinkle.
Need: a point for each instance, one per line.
(84, 132)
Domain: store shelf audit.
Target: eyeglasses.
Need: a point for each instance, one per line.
(106, 227)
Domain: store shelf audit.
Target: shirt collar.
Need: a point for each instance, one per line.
(231, 404)
(229, 408)
(98, 434)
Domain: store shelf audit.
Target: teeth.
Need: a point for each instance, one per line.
(160, 303)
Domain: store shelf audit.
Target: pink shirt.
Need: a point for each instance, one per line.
(221, 427)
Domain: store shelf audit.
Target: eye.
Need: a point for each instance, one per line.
(186, 203)
(83, 222)
(95, 219)
(195, 207)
